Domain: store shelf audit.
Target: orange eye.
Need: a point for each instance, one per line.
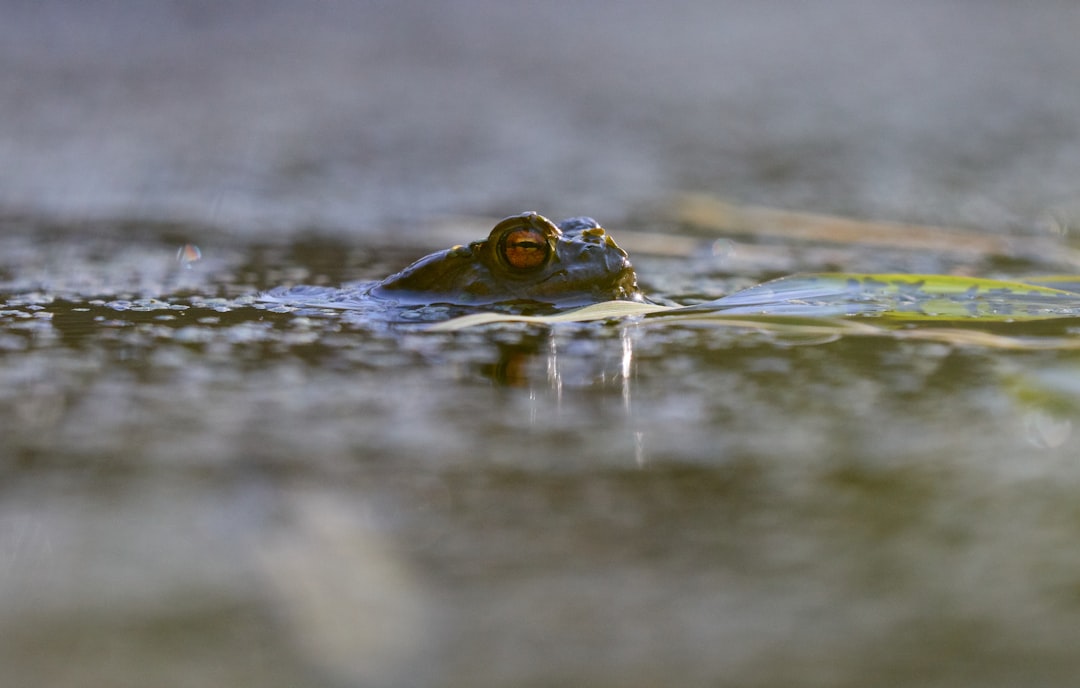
(525, 248)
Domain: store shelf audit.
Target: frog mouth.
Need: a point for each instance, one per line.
(620, 280)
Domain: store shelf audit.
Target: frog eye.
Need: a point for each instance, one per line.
(524, 248)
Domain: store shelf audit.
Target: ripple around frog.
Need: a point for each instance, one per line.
(354, 302)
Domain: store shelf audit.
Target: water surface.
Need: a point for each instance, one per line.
(197, 488)
(196, 481)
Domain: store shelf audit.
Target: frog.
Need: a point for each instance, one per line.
(527, 263)
(526, 257)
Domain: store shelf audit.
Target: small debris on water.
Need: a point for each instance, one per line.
(188, 254)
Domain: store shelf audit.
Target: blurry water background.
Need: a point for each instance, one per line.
(197, 492)
(351, 114)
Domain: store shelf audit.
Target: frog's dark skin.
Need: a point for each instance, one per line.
(525, 258)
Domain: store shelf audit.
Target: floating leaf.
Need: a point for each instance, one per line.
(901, 297)
(831, 305)
(1062, 282)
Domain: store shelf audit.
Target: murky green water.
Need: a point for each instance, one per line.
(200, 489)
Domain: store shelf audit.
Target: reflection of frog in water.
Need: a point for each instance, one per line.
(525, 258)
